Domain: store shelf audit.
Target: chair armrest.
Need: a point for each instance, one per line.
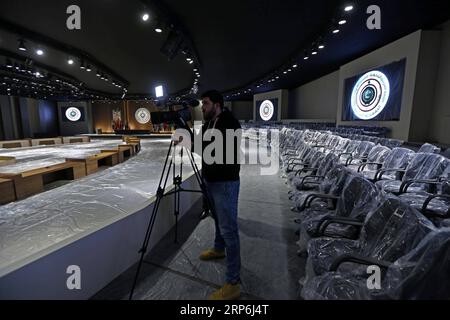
(307, 169)
(311, 177)
(406, 184)
(363, 166)
(326, 221)
(355, 258)
(427, 202)
(380, 173)
(310, 198)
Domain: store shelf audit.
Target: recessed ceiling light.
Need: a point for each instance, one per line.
(284, 72)
(321, 46)
(348, 8)
(145, 16)
(40, 52)
(294, 66)
(306, 58)
(191, 62)
(70, 61)
(342, 22)
(314, 53)
(22, 45)
(336, 31)
(158, 29)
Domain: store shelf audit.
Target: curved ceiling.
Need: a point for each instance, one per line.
(237, 46)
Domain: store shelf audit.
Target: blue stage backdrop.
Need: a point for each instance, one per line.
(375, 95)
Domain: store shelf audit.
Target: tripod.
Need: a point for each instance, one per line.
(160, 194)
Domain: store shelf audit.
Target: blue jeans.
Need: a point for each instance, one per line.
(224, 198)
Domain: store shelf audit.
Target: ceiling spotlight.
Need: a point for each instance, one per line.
(9, 63)
(191, 62)
(321, 46)
(348, 8)
(342, 22)
(314, 52)
(158, 28)
(82, 66)
(22, 45)
(40, 52)
(284, 72)
(70, 61)
(188, 59)
(289, 70)
(145, 17)
(98, 74)
(295, 66)
(195, 70)
(88, 68)
(306, 58)
(336, 31)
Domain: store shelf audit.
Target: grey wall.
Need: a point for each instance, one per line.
(74, 128)
(315, 100)
(439, 129)
(242, 110)
(406, 47)
(426, 77)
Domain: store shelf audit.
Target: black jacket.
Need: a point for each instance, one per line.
(222, 172)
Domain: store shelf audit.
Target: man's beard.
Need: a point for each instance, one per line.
(208, 115)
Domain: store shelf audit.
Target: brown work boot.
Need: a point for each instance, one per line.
(212, 254)
(227, 292)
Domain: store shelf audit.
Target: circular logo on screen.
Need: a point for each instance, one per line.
(266, 110)
(73, 114)
(370, 95)
(142, 116)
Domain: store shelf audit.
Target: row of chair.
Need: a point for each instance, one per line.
(360, 204)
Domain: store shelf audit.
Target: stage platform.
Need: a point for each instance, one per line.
(97, 223)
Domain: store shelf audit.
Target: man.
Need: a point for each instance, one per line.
(223, 182)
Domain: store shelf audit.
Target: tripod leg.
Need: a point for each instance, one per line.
(159, 196)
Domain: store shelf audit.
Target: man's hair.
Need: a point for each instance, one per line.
(215, 96)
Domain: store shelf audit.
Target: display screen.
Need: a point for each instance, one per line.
(267, 110)
(72, 114)
(375, 95)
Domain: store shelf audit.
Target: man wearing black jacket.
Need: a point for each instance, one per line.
(221, 174)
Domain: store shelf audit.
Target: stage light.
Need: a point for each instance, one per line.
(342, 22)
(40, 52)
(191, 62)
(88, 68)
(321, 46)
(145, 17)
(70, 61)
(98, 74)
(9, 63)
(22, 46)
(82, 66)
(295, 66)
(348, 8)
(158, 28)
(336, 31)
(159, 91)
(314, 52)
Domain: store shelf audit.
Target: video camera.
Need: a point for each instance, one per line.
(179, 117)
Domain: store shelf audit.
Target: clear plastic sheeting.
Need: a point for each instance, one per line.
(429, 148)
(398, 158)
(378, 154)
(390, 231)
(40, 223)
(421, 274)
(30, 165)
(333, 184)
(358, 198)
(424, 166)
(75, 150)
